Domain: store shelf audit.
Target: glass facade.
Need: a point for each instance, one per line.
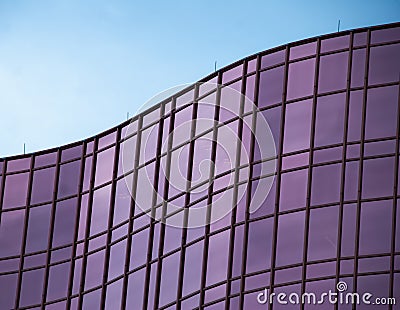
(72, 234)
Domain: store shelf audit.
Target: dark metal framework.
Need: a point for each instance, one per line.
(90, 248)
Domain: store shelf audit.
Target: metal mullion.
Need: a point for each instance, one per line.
(279, 174)
(164, 205)
(361, 165)
(24, 233)
(153, 222)
(74, 244)
(51, 228)
(249, 185)
(131, 214)
(110, 217)
(236, 186)
(310, 169)
(189, 176)
(395, 205)
(344, 154)
(210, 191)
(88, 221)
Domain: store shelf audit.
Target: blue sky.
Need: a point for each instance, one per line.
(71, 69)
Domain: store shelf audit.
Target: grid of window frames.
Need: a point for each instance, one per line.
(72, 235)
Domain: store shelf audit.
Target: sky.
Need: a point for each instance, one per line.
(71, 69)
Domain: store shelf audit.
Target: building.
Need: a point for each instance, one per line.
(72, 235)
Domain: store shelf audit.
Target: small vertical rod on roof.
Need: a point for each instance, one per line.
(338, 26)
(215, 66)
(127, 115)
(24, 148)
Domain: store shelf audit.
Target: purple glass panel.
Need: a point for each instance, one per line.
(348, 229)
(61, 254)
(333, 72)
(297, 126)
(135, 289)
(381, 119)
(321, 270)
(45, 159)
(83, 217)
(87, 173)
(89, 147)
(117, 259)
(290, 239)
(377, 285)
(107, 140)
(351, 181)
(8, 284)
(301, 79)
(31, 288)
(100, 210)
(375, 227)
(358, 68)
(322, 237)
(69, 179)
(182, 126)
(148, 144)
(192, 270)
(232, 74)
(15, 190)
(145, 184)
(18, 164)
(353, 151)
(355, 116)
(185, 98)
(347, 266)
(385, 35)
(38, 228)
(114, 295)
(273, 59)
(94, 269)
(64, 223)
(217, 258)
(249, 93)
(9, 265)
(288, 275)
(273, 118)
(384, 66)
(71, 153)
(11, 230)
(77, 276)
(319, 288)
(325, 184)
(360, 39)
(43, 184)
(259, 245)
(271, 87)
(150, 118)
(122, 202)
(378, 176)
(252, 65)
(374, 264)
(139, 249)
(296, 289)
(104, 166)
(337, 43)
(258, 281)
(380, 148)
(293, 191)
(302, 50)
(329, 123)
(293, 161)
(237, 251)
(326, 155)
(92, 300)
(229, 102)
(58, 281)
(169, 278)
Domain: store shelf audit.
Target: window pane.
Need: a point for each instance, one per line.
(122, 201)
(271, 87)
(351, 180)
(19, 164)
(293, 190)
(58, 281)
(69, 179)
(302, 50)
(301, 79)
(290, 239)
(38, 228)
(381, 119)
(329, 122)
(107, 140)
(11, 230)
(217, 258)
(145, 189)
(104, 166)
(333, 72)
(385, 35)
(169, 278)
(8, 284)
(232, 74)
(43, 184)
(139, 249)
(135, 289)
(297, 126)
(15, 190)
(375, 227)
(117, 259)
(45, 159)
(384, 66)
(100, 210)
(272, 59)
(378, 177)
(71, 153)
(337, 43)
(94, 269)
(273, 119)
(92, 300)
(114, 295)
(358, 68)
(64, 223)
(322, 237)
(192, 270)
(259, 245)
(325, 184)
(31, 289)
(355, 116)
(148, 144)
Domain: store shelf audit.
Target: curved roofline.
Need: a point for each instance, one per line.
(203, 80)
